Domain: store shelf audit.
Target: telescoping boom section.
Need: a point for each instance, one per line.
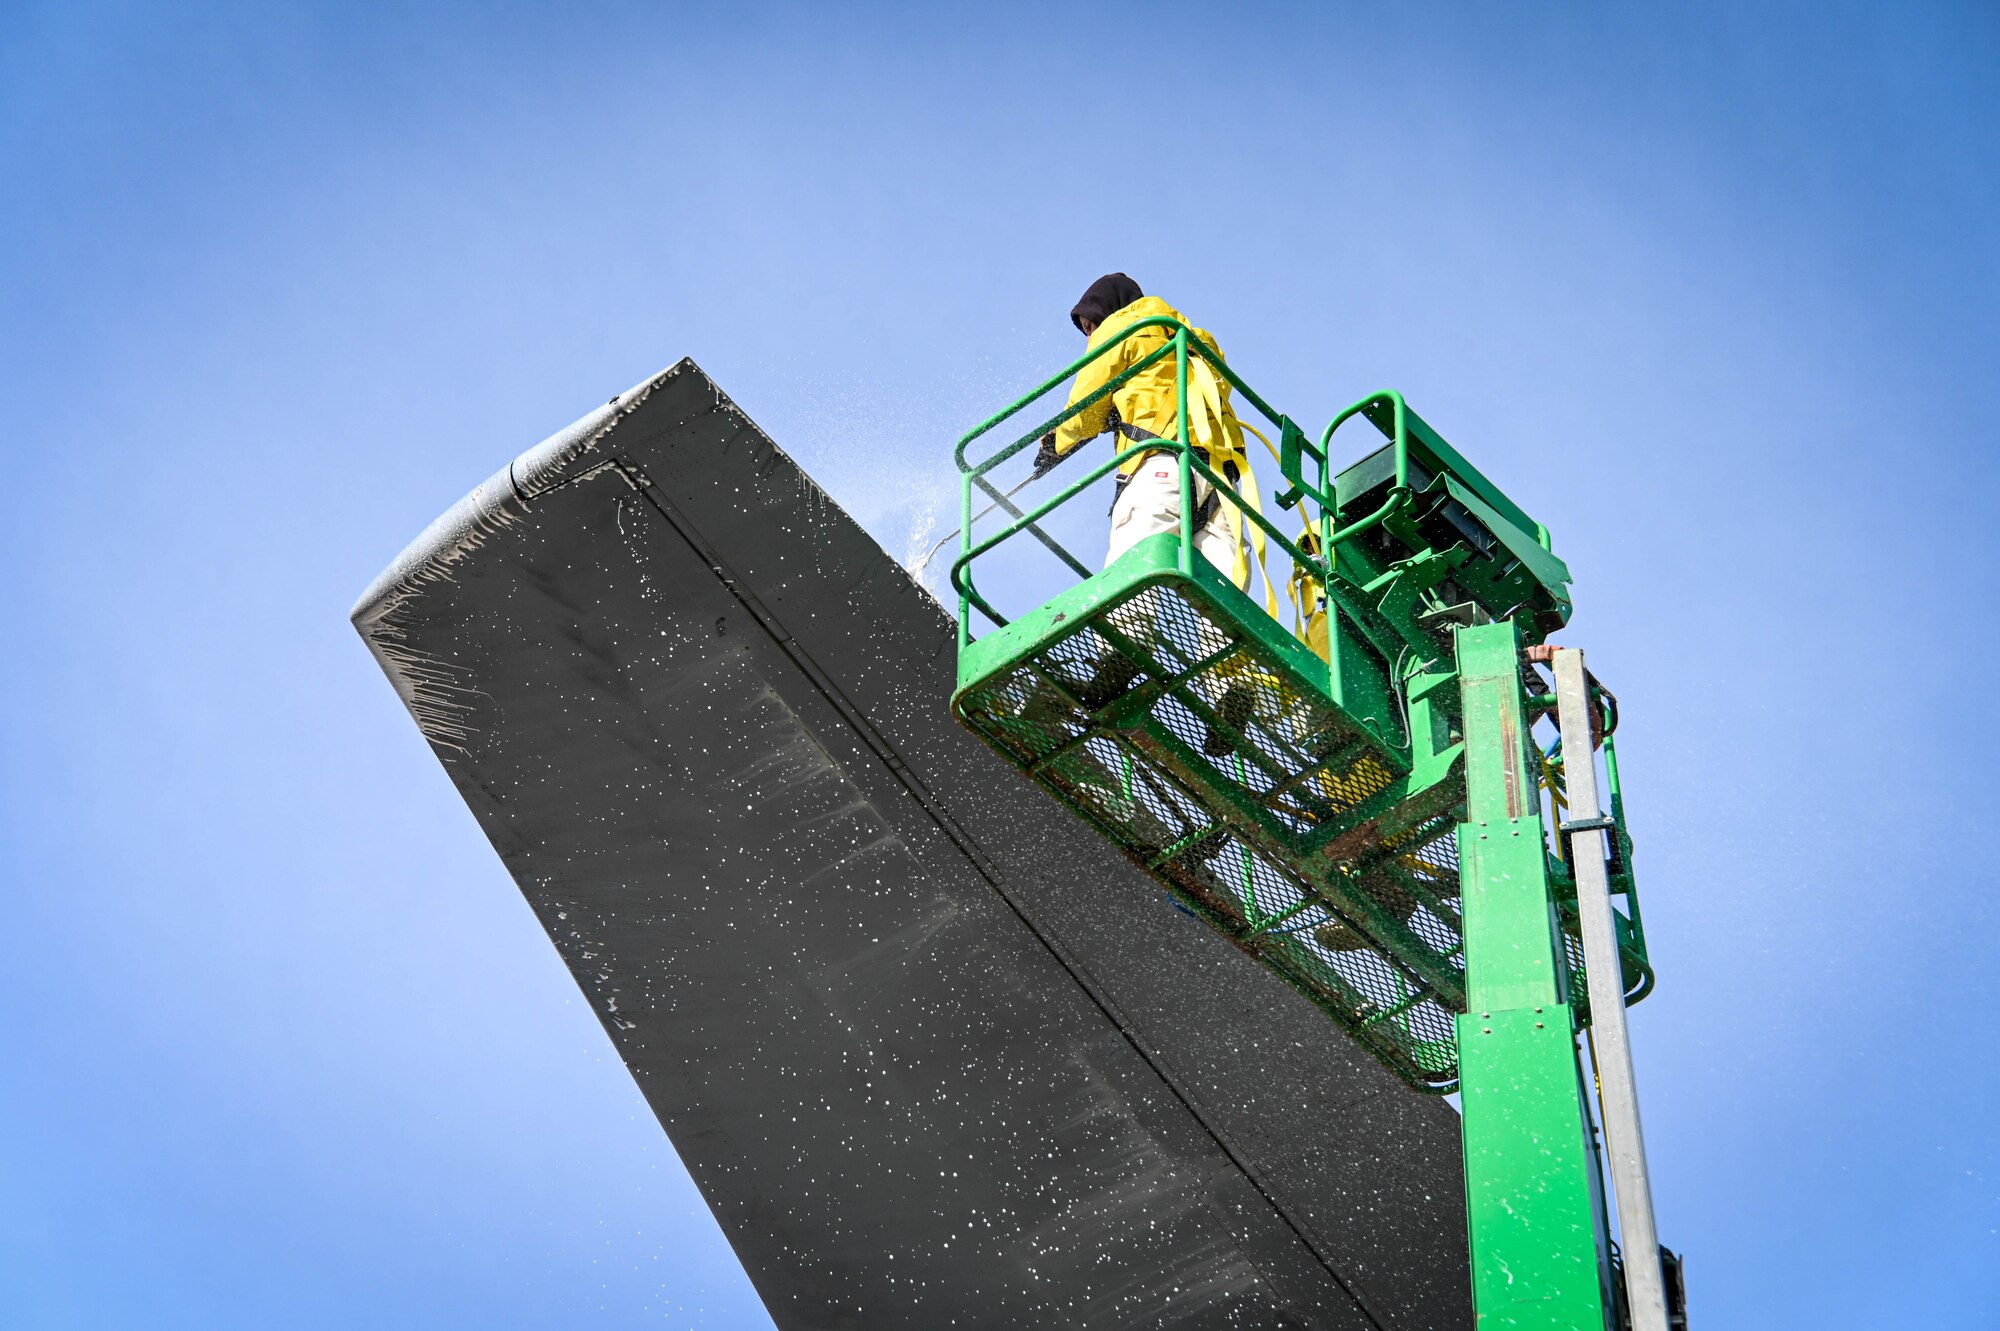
(1357, 798)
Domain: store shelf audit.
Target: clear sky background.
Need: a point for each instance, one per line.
(1710, 289)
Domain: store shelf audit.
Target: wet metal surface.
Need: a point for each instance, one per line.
(932, 1051)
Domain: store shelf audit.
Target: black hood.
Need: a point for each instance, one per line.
(1107, 295)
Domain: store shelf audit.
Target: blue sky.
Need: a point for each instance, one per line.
(1711, 292)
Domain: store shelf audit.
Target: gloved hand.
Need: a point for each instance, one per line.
(1046, 456)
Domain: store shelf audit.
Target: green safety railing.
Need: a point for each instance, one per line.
(1294, 448)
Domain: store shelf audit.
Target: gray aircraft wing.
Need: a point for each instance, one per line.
(935, 1054)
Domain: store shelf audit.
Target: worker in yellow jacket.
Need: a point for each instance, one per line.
(1148, 499)
(1146, 407)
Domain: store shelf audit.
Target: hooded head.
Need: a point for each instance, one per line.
(1107, 295)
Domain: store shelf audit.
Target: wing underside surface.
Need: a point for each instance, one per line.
(934, 1053)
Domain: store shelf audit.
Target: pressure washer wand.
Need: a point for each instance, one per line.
(918, 571)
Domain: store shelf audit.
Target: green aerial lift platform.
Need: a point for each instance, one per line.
(1362, 804)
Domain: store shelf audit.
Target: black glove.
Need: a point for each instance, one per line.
(1046, 456)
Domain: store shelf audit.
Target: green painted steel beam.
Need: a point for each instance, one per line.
(1530, 1173)
(1531, 1200)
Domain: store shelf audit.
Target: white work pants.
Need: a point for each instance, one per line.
(1150, 504)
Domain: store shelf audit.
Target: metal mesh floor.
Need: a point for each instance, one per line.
(1195, 750)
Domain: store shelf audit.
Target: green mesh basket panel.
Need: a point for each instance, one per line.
(1200, 750)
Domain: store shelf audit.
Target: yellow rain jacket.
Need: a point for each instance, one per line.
(1147, 401)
